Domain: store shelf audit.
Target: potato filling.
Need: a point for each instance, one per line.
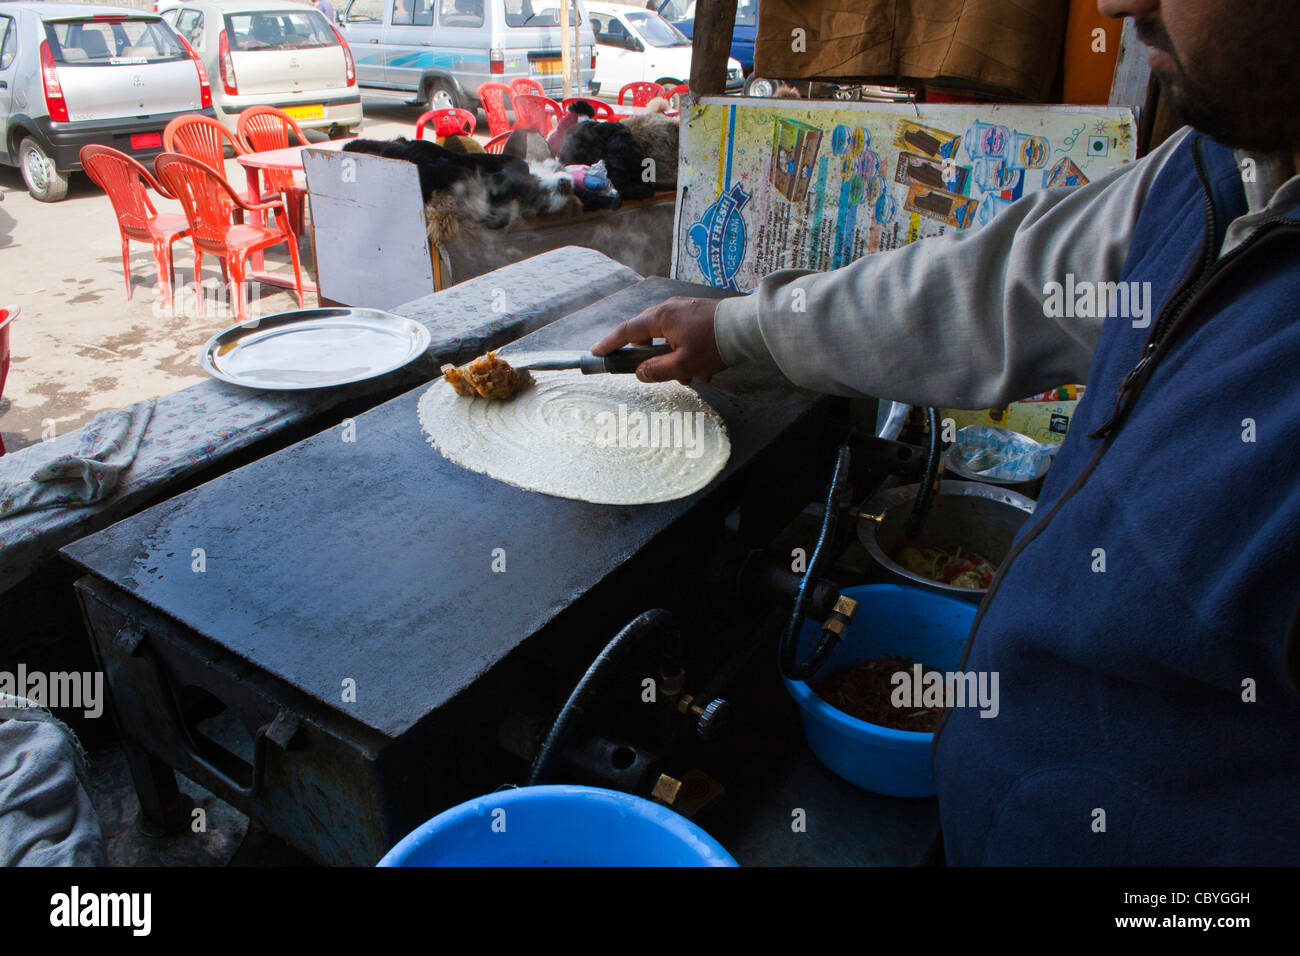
(487, 377)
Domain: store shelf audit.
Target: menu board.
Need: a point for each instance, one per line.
(766, 185)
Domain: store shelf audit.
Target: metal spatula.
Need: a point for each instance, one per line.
(620, 361)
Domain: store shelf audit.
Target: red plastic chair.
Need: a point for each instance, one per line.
(7, 315)
(449, 122)
(493, 97)
(603, 110)
(525, 85)
(204, 139)
(497, 144)
(537, 112)
(641, 92)
(127, 184)
(206, 196)
(262, 128)
(201, 138)
(677, 95)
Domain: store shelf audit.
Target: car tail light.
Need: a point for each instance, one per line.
(349, 64)
(593, 58)
(55, 104)
(205, 88)
(226, 65)
(146, 140)
(497, 62)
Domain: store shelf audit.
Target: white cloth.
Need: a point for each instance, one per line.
(46, 817)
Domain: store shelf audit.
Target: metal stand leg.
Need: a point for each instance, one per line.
(163, 808)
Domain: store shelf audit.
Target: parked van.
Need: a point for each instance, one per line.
(76, 74)
(438, 52)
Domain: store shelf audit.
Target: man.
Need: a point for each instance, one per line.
(324, 7)
(1145, 625)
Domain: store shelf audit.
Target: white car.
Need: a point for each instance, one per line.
(637, 45)
(272, 53)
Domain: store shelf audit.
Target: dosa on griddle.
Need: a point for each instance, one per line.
(607, 439)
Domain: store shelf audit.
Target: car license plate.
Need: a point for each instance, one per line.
(313, 111)
(146, 140)
(548, 67)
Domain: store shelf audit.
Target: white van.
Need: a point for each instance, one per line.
(438, 52)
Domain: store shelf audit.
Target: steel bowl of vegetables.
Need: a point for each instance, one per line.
(966, 535)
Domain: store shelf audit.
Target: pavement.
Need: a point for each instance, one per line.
(79, 346)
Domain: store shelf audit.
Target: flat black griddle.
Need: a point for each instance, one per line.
(372, 560)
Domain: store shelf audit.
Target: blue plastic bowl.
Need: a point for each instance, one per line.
(558, 826)
(893, 620)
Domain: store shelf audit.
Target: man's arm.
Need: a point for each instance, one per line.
(954, 321)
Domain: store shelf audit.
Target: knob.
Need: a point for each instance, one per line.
(713, 718)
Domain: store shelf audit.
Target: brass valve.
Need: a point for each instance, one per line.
(841, 615)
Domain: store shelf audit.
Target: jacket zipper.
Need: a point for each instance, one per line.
(1176, 302)
(1171, 319)
(1137, 377)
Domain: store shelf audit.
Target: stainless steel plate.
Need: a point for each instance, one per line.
(313, 348)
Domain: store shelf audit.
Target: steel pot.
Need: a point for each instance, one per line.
(967, 514)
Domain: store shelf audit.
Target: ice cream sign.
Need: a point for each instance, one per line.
(717, 240)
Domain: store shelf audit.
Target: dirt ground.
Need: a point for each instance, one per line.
(78, 346)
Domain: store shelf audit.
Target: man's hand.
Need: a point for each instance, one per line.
(687, 325)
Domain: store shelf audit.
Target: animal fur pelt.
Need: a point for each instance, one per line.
(440, 168)
(659, 136)
(463, 191)
(528, 145)
(588, 143)
(559, 195)
(461, 144)
(579, 111)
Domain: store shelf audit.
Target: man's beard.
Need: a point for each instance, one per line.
(1234, 110)
(1200, 109)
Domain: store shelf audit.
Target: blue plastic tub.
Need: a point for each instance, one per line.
(891, 619)
(558, 826)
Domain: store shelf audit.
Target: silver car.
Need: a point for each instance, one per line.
(438, 52)
(76, 74)
(273, 53)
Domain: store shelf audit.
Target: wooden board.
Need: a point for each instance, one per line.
(369, 236)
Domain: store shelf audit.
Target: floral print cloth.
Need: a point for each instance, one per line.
(106, 448)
